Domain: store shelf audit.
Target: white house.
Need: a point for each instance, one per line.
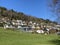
(40, 31)
(8, 26)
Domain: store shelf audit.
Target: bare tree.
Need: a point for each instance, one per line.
(55, 7)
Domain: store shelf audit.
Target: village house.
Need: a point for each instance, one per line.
(22, 25)
(18, 24)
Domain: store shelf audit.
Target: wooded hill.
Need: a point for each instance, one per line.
(11, 14)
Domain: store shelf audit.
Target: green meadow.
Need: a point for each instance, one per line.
(9, 37)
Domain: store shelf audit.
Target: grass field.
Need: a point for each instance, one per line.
(8, 37)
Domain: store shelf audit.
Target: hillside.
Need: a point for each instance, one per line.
(11, 14)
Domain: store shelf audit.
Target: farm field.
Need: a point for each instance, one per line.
(8, 37)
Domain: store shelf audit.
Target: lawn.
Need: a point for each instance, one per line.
(9, 37)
